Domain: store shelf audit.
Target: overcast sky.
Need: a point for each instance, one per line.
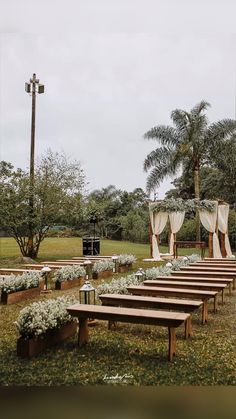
(112, 69)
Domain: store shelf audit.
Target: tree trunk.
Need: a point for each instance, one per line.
(197, 196)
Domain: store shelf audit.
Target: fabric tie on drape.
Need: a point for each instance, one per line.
(223, 215)
(176, 221)
(208, 220)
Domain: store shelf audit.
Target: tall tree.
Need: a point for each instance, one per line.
(186, 145)
(57, 193)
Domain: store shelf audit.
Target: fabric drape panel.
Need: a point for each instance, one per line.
(223, 215)
(176, 222)
(155, 248)
(208, 220)
(158, 223)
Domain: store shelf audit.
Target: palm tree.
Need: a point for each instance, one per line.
(187, 146)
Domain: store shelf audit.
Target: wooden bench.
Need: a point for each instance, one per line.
(223, 260)
(168, 283)
(212, 268)
(133, 301)
(39, 266)
(128, 315)
(186, 278)
(193, 271)
(204, 296)
(53, 263)
(214, 264)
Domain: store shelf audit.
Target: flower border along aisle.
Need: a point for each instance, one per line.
(19, 288)
(69, 277)
(44, 324)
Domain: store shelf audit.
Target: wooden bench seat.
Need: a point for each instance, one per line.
(223, 260)
(128, 315)
(187, 278)
(214, 264)
(193, 271)
(38, 267)
(212, 268)
(167, 283)
(53, 263)
(179, 293)
(134, 301)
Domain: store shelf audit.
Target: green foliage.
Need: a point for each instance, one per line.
(178, 204)
(188, 145)
(57, 194)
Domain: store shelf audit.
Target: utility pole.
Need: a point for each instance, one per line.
(33, 87)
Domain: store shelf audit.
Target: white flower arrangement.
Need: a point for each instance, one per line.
(103, 265)
(67, 273)
(119, 286)
(180, 205)
(37, 318)
(126, 259)
(13, 283)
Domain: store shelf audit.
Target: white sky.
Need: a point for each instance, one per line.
(112, 70)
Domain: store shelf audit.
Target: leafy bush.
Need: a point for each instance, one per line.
(67, 273)
(119, 286)
(13, 283)
(103, 265)
(126, 259)
(37, 318)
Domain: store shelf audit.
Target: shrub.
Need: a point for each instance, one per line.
(14, 283)
(67, 273)
(126, 259)
(37, 318)
(103, 265)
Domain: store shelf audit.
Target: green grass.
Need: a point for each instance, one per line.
(59, 248)
(139, 351)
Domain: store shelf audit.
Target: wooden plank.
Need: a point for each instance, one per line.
(210, 268)
(14, 271)
(191, 285)
(177, 292)
(128, 315)
(207, 274)
(223, 260)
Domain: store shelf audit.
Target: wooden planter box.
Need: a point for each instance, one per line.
(16, 297)
(28, 348)
(65, 285)
(102, 275)
(124, 268)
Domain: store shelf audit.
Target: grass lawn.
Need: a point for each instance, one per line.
(59, 248)
(136, 352)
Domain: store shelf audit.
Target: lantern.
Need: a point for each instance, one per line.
(88, 264)
(114, 260)
(45, 272)
(87, 294)
(139, 275)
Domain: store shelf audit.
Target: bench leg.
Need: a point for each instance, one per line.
(204, 312)
(215, 304)
(230, 288)
(222, 297)
(188, 328)
(234, 283)
(111, 324)
(172, 342)
(83, 332)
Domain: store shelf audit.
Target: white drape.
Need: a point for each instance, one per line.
(223, 215)
(176, 221)
(158, 223)
(155, 249)
(208, 220)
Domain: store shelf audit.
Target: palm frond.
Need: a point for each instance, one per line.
(221, 130)
(165, 134)
(201, 106)
(157, 156)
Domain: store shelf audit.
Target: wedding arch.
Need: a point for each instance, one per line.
(213, 216)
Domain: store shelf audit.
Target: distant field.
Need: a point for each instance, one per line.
(59, 248)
